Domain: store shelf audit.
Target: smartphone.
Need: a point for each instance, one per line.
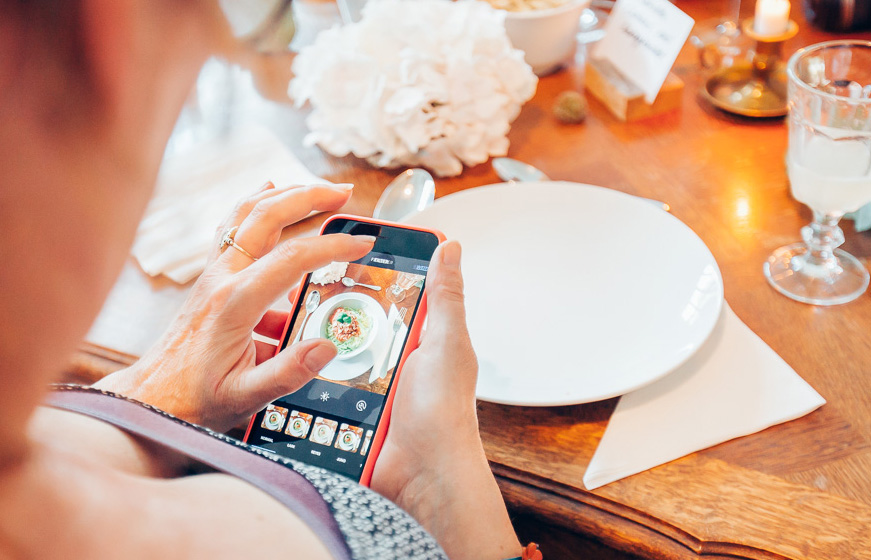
(372, 309)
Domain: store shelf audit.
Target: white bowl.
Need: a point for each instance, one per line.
(547, 37)
(354, 301)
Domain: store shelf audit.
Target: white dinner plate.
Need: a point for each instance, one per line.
(576, 293)
(343, 370)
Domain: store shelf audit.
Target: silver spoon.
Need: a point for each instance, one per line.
(409, 193)
(311, 303)
(350, 282)
(512, 170)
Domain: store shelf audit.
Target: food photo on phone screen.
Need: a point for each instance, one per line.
(365, 308)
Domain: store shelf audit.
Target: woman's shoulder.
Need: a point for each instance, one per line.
(57, 505)
(371, 526)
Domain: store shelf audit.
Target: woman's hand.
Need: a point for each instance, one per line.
(207, 369)
(432, 463)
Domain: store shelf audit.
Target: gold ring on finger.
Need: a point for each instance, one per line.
(229, 240)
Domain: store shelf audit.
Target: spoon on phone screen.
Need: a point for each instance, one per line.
(514, 171)
(350, 282)
(411, 192)
(311, 303)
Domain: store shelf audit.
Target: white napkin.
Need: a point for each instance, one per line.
(385, 362)
(734, 386)
(381, 359)
(197, 188)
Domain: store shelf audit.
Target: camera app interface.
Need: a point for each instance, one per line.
(364, 308)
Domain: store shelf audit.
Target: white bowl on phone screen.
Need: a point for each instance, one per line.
(355, 302)
(354, 366)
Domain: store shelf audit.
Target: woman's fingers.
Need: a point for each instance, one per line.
(270, 277)
(260, 230)
(446, 310)
(262, 351)
(242, 209)
(285, 373)
(272, 324)
(244, 206)
(446, 332)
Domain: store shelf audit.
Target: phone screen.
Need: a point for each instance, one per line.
(365, 308)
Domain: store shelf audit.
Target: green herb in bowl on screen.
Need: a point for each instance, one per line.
(348, 329)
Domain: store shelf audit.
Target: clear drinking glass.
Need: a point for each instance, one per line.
(718, 40)
(829, 167)
(404, 281)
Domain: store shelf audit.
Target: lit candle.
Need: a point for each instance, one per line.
(772, 17)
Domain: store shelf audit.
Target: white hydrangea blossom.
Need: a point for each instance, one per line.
(430, 83)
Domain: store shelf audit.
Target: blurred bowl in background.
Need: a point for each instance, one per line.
(546, 36)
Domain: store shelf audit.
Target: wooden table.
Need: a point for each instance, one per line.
(800, 490)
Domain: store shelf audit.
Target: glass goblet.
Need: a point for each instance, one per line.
(396, 291)
(829, 166)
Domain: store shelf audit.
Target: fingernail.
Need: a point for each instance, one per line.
(344, 186)
(267, 185)
(365, 238)
(318, 357)
(451, 253)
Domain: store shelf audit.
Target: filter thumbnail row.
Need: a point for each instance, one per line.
(318, 430)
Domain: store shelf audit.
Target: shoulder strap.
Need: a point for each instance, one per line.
(218, 451)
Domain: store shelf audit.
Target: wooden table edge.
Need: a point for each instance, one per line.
(615, 525)
(569, 507)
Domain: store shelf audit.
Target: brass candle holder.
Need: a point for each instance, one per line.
(756, 88)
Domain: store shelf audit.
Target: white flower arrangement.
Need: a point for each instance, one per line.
(430, 83)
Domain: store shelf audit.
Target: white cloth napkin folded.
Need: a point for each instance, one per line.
(734, 386)
(197, 189)
(383, 362)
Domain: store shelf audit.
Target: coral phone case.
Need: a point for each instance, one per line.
(411, 344)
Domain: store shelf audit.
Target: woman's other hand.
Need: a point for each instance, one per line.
(206, 368)
(433, 463)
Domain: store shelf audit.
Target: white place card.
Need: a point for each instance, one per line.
(642, 40)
